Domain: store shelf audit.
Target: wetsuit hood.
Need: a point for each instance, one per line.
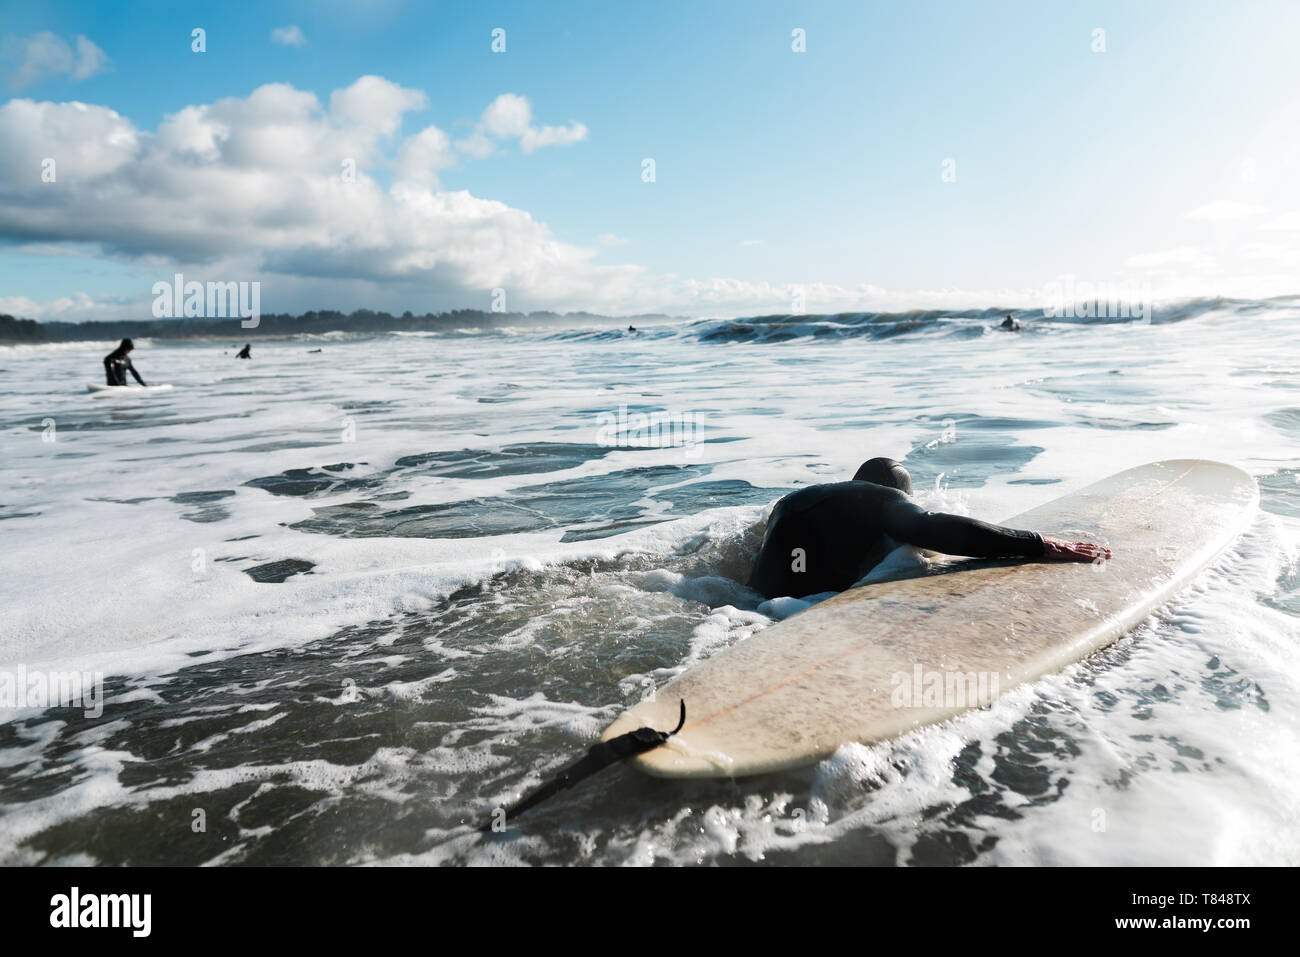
(884, 471)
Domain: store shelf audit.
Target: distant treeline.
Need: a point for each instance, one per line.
(283, 324)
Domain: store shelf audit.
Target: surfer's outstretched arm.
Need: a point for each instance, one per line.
(905, 521)
(130, 365)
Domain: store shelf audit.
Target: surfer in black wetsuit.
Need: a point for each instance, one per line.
(118, 363)
(244, 352)
(826, 537)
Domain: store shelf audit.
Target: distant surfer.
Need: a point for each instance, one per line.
(1011, 324)
(827, 537)
(118, 363)
(631, 328)
(244, 353)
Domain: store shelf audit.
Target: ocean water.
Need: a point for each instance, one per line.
(346, 602)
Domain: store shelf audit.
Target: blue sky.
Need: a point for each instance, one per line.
(1169, 159)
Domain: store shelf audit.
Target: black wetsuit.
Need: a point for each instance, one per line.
(243, 353)
(116, 365)
(846, 528)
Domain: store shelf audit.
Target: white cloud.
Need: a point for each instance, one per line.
(90, 59)
(535, 139)
(1181, 256)
(86, 142)
(1286, 222)
(28, 60)
(476, 145)
(423, 155)
(1284, 253)
(609, 239)
(375, 103)
(78, 307)
(1223, 210)
(510, 116)
(290, 36)
(252, 185)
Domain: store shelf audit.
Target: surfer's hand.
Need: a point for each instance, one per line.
(1055, 550)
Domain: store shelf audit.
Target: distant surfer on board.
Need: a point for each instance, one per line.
(827, 537)
(118, 363)
(244, 353)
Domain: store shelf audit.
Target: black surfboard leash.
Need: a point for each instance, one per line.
(600, 756)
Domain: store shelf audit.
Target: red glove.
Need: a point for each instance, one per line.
(1055, 550)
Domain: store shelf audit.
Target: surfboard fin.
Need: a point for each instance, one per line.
(597, 758)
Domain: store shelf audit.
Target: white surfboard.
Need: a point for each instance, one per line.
(879, 660)
(99, 390)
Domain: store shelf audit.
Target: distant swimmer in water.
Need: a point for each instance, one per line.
(826, 537)
(244, 353)
(631, 328)
(1009, 323)
(118, 363)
